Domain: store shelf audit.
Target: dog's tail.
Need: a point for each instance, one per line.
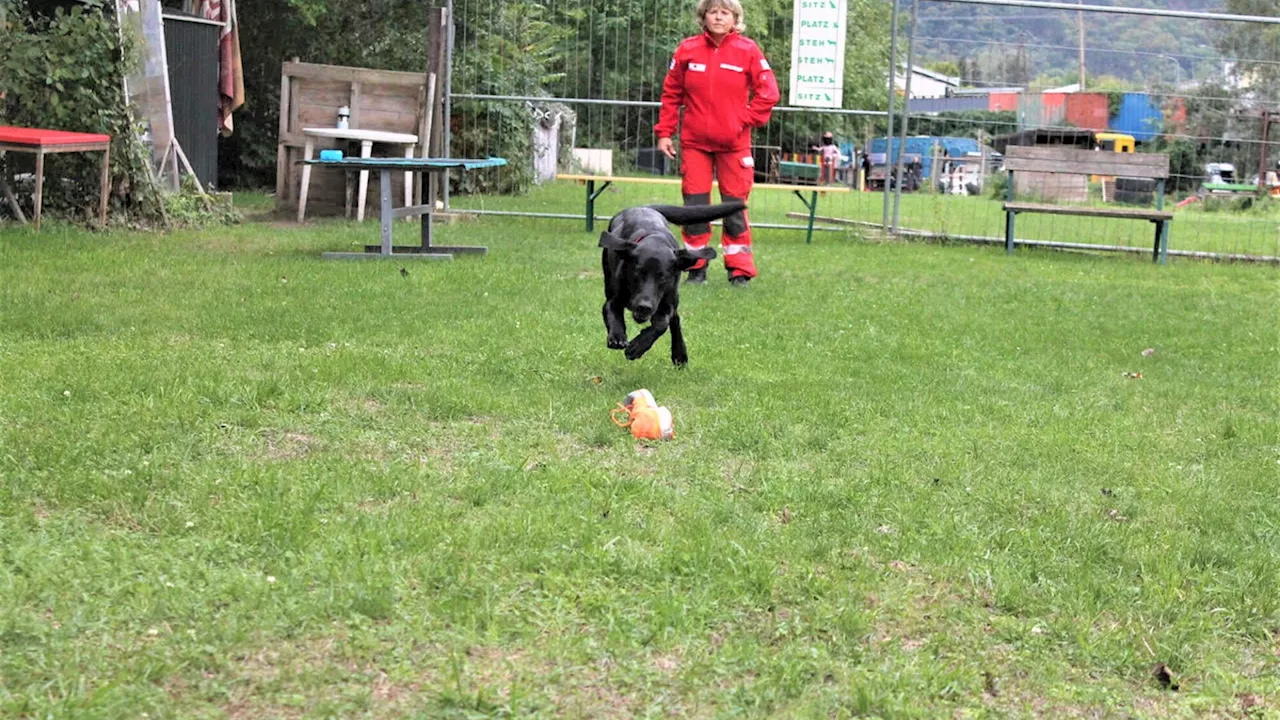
(694, 214)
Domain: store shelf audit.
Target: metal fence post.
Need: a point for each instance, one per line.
(906, 115)
(888, 133)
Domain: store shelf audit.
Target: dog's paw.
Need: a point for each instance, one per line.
(679, 360)
(633, 352)
(616, 344)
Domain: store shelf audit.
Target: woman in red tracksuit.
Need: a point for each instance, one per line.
(726, 88)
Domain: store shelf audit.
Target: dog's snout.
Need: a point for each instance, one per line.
(643, 307)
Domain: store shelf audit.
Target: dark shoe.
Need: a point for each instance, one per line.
(739, 280)
(697, 277)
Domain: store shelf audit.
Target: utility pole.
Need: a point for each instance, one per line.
(1080, 25)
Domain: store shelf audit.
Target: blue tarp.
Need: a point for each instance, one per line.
(922, 145)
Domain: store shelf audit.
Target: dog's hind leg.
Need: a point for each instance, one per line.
(679, 355)
(615, 324)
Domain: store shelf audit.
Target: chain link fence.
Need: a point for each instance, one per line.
(572, 87)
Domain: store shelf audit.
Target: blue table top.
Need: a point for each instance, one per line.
(410, 164)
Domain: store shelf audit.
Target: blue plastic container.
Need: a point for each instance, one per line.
(330, 154)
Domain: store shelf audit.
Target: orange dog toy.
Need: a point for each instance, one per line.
(646, 419)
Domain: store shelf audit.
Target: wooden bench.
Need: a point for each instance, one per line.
(41, 142)
(810, 204)
(1067, 161)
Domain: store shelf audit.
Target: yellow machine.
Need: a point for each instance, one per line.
(1115, 142)
(1112, 142)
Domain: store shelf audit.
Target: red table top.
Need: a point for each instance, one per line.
(46, 138)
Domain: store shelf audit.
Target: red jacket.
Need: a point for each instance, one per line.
(712, 83)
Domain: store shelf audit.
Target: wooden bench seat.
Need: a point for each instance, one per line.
(1070, 161)
(811, 204)
(1133, 213)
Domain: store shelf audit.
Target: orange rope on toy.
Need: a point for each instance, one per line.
(626, 414)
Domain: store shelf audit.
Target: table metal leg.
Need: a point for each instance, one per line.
(592, 194)
(366, 150)
(307, 151)
(812, 206)
(408, 182)
(384, 186)
(429, 181)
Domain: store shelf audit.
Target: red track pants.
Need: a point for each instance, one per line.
(736, 172)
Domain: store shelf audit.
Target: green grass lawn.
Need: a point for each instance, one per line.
(1193, 229)
(908, 481)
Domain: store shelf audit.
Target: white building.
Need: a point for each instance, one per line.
(926, 83)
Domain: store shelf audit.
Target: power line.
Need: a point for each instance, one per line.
(1042, 46)
(1146, 12)
(996, 18)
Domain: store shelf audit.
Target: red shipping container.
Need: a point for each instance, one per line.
(1055, 108)
(1087, 110)
(1002, 102)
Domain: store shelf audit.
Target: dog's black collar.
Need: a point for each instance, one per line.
(643, 235)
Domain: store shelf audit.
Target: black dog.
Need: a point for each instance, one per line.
(642, 263)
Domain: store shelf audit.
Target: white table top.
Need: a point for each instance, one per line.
(354, 134)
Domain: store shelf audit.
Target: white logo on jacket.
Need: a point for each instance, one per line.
(697, 67)
(734, 68)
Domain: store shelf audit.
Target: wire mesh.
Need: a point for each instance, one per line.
(572, 87)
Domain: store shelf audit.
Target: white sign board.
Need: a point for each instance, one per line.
(817, 53)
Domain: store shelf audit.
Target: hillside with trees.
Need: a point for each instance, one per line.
(994, 45)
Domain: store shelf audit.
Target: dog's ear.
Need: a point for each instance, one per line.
(687, 258)
(609, 241)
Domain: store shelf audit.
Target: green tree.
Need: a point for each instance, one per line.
(1257, 45)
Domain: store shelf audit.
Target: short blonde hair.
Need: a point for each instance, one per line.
(733, 6)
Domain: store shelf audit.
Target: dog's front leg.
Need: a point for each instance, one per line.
(641, 343)
(615, 324)
(679, 356)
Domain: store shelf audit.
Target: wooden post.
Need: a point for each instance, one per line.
(433, 145)
(105, 187)
(282, 152)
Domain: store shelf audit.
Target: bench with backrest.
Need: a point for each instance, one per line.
(810, 204)
(1070, 161)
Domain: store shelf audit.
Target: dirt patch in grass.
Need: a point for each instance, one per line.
(330, 675)
(283, 445)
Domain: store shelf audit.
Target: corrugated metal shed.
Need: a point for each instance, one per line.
(948, 104)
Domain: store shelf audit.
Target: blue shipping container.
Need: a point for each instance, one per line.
(1139, 117)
